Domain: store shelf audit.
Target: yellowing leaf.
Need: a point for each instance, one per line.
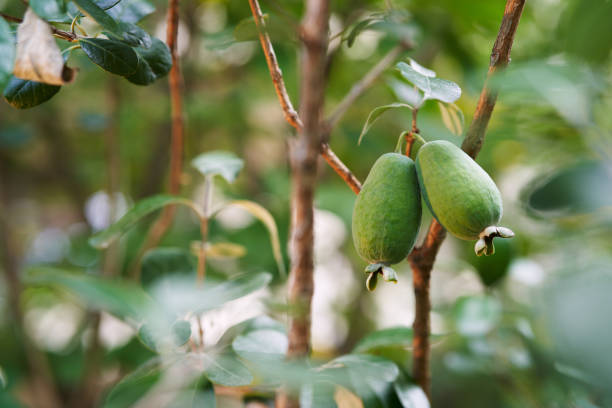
(225, 250)
(346, 399)
(452, 117)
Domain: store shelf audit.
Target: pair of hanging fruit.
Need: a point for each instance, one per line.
(457, 191)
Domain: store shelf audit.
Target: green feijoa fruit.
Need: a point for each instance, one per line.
(460, 194)
(387, 212)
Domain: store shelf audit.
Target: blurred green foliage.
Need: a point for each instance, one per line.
(529, 326)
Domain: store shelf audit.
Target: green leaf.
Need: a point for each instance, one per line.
(318, 395)
(358, 28)
(433, 88)
(24, 94)
(3, 381)
(132, 35)
(50, 10)
(7, 51)
(199, 395)
(131, 11)
(375, 114)
(266, 218)
(181, 332)
(112, 55)
(365, 366)
(134, 386)
(410, 394)
(153, 63)
(95, 12)
(143, 208)
(261, 345)
(160, 262)
(226, 369)
(476, 315)
(123, 299)
(224, 164)
(392, 337)
(452, 117)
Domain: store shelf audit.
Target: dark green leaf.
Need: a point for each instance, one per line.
(7, 51)
(50, 10)
(160, 262)
(112, 55)
(24, 94)
(140, 210)
(261, 345)
(95, 12)
(225, 164)
(391, 337)
(133, 387)
(132, 35)
(375, 114)
(123, 299)
(433, 88)
(107, 4)
(153, 63)
(226, 369)
(131, 11)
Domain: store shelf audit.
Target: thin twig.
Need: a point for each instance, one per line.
(64, 35)
(368, 79)
(163, 222)
(422, 258)
(340, 168)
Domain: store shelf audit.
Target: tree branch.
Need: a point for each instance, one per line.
(163, 222)
(422, 258)
(304, 152)
(64, 35)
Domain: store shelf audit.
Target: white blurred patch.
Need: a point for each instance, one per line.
(527, 272)
(234, 218)
(213, 17)
(216, 322)
(97, 209)
(389, 298)
(114, 332)
(330, 233)
(335, 29)
(50, 245)
(53, 327)
(183, 38)
(364, 46)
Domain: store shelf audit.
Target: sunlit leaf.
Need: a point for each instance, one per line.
(433, 88)
(410, 394)
(226, 369)
(120, 298)
(225, 164)
(113, 56)
(133, 35)
(266, 218)
(225, 250)
(375, 115)
(164, 261)
(153, 63)
(135, 214)
(391, 337)
(261, 345)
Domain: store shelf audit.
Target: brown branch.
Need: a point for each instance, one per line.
(366, 82)
(291, 116)
(303, 156)
(422, 258)
(64, 35)
(163, 222)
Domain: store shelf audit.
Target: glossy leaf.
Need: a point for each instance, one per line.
(391, 337)
(226, 369)
(111, 55)
(95, 12)
(164, 261)
(50, 10)
(24, 94)
(410, 394)
(7, 51)
(433, 88)
(133, 35)
(261, 345)
(135, 214)
(375, 115)
(153, 63)
(131, 11)
(266, 218)
(123, 299)
(224, 164)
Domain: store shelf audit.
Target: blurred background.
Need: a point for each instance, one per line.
(527, 327)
